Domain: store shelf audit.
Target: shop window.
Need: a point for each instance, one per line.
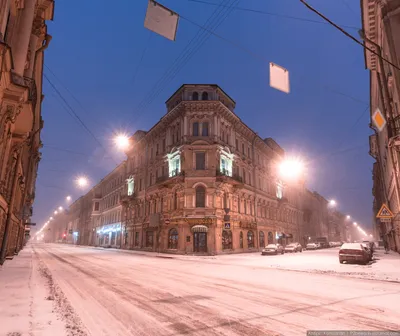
(204, 129)
(195, 96)
(241, 239)
(204, 96)
(173, 239)
(136, 238)
(270, 238)
(200, 161)
(250, 239)
(149, 238)
(195, 129)
(262, 239)
(200, 197)
(226, 239)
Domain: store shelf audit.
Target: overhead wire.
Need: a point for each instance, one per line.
(74, 115)
(212, 23)
(258, 11)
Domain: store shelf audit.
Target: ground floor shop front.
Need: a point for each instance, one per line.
(203, 236)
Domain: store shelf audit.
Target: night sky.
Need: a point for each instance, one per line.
(94, 61)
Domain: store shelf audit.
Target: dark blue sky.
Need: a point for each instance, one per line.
(96, 50)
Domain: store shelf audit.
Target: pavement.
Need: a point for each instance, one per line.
(104, 292)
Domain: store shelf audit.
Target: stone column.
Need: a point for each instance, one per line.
(29, 69)
(22, 35)
(185, 126)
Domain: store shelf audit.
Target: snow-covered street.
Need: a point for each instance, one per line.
(107, 292)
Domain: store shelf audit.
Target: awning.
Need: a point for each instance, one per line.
(199, 228)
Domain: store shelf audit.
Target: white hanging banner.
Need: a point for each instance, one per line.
(279, 78)
(161, 20)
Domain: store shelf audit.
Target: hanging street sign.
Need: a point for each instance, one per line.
(379, 119)
(384, 213)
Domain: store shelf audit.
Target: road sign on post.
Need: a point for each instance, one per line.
(384, 213)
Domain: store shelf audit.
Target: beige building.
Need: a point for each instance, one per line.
(201, 181)
(381, 32)
(23, 39)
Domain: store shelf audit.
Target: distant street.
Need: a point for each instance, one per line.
(122, 293)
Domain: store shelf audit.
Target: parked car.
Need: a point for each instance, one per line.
(369, 250)
(355, 252)
(370, 244)
(273, 249)
(293, 248)
(311, 246)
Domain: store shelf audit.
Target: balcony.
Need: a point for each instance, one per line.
(223, 176)
(176, 176)
(125, 199)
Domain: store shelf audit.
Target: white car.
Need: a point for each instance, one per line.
(311, 246)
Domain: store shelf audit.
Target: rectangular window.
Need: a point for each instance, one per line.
(96, 206)
(243, 149)
(248, 152)
(200, 161)
(237, 144)
(163, 145)
(244, 175)
(157, 149)
(204, 129)
(149, 238)
(136, 238)
(196, 129)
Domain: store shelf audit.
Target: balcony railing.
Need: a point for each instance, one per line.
(174, 173)
(225, 172)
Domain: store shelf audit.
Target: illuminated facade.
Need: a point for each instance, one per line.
(203, 182)
(381, 26)
(23, 40)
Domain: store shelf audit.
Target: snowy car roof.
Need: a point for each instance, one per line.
(351, 246)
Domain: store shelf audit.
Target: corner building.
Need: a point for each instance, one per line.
(200, 181)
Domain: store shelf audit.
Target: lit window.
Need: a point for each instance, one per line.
(226, 239)
(174, 164)
(250, 239)
(131, 185)
(173, 239)
(262, 239)
(226, 164)
(279, 190)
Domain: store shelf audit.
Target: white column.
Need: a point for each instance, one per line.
(22, 36)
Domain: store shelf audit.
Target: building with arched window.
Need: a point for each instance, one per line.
(199, 182)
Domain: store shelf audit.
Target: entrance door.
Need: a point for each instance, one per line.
(200, 241)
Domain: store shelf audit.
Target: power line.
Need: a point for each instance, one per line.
(213, 22)
(64, 150)
(258, 11)
(74, 114)
(141, 58)
(348, 35)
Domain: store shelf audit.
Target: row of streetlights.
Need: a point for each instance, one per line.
(121, 141)
(333, 203)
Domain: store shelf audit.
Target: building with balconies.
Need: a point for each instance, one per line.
(23, 40)
(381, 33)
(201, 181)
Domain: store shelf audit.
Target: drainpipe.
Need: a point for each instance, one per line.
(254, 184)
(145, 193)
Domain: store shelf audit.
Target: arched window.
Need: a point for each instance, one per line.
(200, 197)
(227, 240)
(173, 239)
(270, 238)
(195, 96)
(262, 239)
(204, 96)
(241, 239)
(250, 239)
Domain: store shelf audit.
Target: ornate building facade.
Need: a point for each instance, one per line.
(23, 40)
(201, 181)
(381, 33)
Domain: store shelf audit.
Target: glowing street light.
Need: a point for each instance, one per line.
(122, 141)
(291, 168)
(332, 202)
(68, 198)
(51, 218)
(348, 217)
(355, 224)
(56, 212)
(370, 235)
(82, 181)
(60, 208)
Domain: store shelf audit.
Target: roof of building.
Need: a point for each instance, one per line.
(215, 86)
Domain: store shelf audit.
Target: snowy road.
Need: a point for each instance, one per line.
(117, 293)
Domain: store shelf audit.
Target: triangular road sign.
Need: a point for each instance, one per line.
(384, 212)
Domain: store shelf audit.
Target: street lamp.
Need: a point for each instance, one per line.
(291, 168)
(348, 217)
(122, 141)
(355, 224)
(82, 181)
(332, 203)
(51, 218)
(68, 198)
(56, 212)
(60, 208)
